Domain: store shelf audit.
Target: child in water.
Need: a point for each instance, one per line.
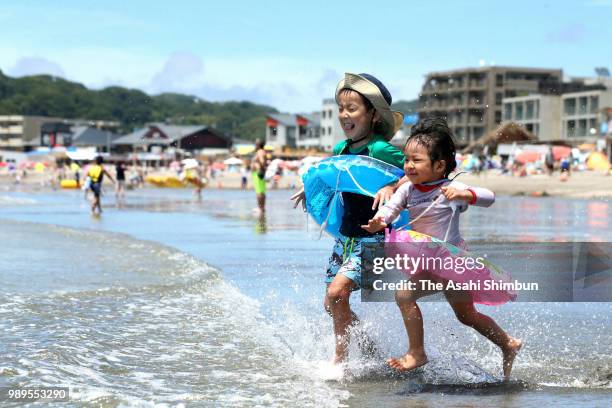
(368, 124)
(433, 201)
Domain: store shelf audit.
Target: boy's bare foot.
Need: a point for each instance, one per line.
(408, 362)
(514, 345)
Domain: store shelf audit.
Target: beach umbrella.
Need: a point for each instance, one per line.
(528, 156)
(560, 152)
(190, 163)
(586, 147)
(598, 161)
(218, 166)
(233, 161)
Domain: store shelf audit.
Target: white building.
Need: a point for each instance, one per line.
(580, 117)
(294, 131)
(539, 114)
(331, 132)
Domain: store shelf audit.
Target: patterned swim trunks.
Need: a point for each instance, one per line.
(351, 255)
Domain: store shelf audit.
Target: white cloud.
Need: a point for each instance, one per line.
(35, 66)
(181, 72)
(291, 85)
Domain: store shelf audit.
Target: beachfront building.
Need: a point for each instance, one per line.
(581, 116)
(331, 132)
(471, 99)
(308, 128)
(294, 131)
(22, 133)
(86, 136)
(159, 138)
(540, 115)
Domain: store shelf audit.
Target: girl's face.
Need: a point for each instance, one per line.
(418, 166)
(355, 120)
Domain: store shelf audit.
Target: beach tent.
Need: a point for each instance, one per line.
(598, 161)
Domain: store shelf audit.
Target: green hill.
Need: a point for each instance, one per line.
(45, 95)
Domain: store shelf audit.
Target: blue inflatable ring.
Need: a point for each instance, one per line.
(345, 173)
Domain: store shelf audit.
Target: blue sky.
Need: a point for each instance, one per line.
(291, 54)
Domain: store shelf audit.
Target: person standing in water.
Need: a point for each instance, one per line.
(96, 174)
(259, 164)
(366, 118)
(435, 205)
(120, 185)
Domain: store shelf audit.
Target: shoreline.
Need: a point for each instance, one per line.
(580, 185)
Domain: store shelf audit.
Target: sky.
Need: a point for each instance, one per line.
(290, 54)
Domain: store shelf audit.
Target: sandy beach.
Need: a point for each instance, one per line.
(583, 185)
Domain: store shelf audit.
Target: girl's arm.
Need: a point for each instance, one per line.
(479, 196)
(396, 204)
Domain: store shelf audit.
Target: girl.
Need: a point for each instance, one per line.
(368, 124)
(433, 201)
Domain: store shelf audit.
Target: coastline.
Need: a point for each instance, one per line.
(580, 185)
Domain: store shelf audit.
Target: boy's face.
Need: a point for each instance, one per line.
(355, 120)
(418, 166)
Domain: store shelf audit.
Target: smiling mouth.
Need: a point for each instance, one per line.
(348, 126)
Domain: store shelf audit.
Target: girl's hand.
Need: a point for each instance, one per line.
(382, 196)
(300, 196)
(452, 194)
(375, 224)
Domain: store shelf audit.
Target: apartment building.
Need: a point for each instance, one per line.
(538, 114)
(471, 99)
(582, 116)
(331, 132)
(22, 133)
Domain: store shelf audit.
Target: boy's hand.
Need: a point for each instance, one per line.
(300, 196)
(452, 194)
(375, 224)
(382, 196)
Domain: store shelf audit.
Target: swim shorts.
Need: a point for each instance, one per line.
(351, 255)
(259, 184)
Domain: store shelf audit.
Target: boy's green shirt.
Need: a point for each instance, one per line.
(378, 148)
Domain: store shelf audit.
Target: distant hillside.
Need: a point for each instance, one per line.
(45, 95)
(406, 107)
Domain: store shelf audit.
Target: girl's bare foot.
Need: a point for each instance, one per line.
(409, 361)
(514, 345)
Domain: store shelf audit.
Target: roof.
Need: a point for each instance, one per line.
(314, 119)
(88, 136)
(283, 118)
(170, 133)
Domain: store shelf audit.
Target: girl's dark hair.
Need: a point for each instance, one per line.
(435, 135)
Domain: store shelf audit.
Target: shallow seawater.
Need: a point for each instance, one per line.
(171, 300)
